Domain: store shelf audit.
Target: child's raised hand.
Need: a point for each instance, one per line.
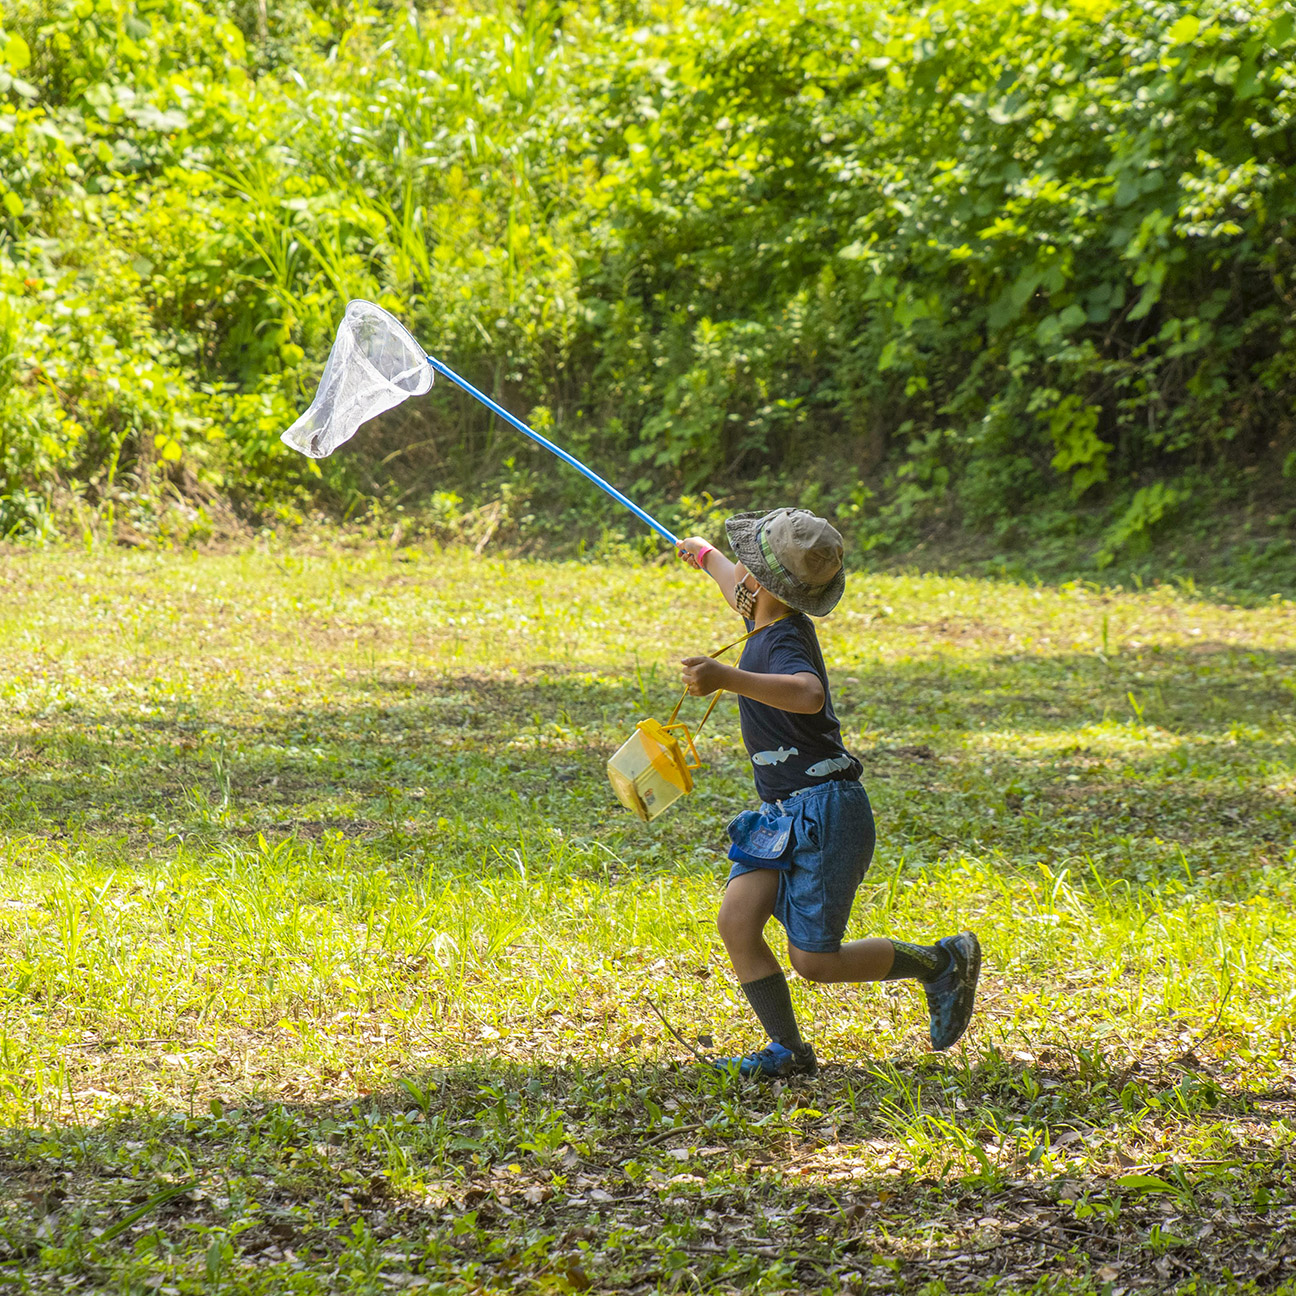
(694, 551)
(702, 675)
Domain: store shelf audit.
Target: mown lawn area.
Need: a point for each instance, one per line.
(328, 961)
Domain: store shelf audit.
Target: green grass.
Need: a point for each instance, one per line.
(326, 949)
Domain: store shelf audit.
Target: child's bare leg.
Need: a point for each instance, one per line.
(875, 959)
(747, 906)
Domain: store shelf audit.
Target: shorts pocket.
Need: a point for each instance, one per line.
(810, 831)
(765, 840)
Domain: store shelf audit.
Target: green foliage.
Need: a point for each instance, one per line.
(1150, 506)
(988, 259)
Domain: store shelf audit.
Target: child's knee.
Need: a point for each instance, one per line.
(733, 924)
(811, 965)
(740, 922)
(747, 906)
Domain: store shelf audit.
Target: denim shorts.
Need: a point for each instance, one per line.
(821, 841)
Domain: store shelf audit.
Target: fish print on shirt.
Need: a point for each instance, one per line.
(773, 757)
(829, 766)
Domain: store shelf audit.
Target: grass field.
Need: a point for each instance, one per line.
(327, 954)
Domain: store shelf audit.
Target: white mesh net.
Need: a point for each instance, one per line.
(375, 364)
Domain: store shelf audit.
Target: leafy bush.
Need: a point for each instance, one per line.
(1009, 265)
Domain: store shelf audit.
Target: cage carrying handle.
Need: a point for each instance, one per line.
(716, 696)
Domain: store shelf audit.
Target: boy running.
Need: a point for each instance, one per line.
(801, 857)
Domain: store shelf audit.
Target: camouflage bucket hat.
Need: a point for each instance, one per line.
(793, 554)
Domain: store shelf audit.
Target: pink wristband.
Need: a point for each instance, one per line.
(700, 559)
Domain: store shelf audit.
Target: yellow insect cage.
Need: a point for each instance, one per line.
(654, 767)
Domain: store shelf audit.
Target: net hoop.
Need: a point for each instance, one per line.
(375, 363)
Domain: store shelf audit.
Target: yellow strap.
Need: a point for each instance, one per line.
(716, 696)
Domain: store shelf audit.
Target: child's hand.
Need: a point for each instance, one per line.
(702, 675)
(694, 550)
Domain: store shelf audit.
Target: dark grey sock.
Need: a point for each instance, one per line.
(917, 962)
(771, 1001)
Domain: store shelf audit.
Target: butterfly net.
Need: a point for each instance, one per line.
(375, 364)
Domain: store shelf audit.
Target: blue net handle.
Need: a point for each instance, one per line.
(562, 454)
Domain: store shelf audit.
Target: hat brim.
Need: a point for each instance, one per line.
(743, 530)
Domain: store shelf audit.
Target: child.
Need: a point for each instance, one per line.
(801, 857)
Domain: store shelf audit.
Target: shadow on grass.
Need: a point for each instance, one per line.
(1189, 762)
(512, 1175)
(442, 769)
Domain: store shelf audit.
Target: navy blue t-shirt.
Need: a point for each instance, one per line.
(790, 750)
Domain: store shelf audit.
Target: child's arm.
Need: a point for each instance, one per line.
(802, 693)
(713, 562)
